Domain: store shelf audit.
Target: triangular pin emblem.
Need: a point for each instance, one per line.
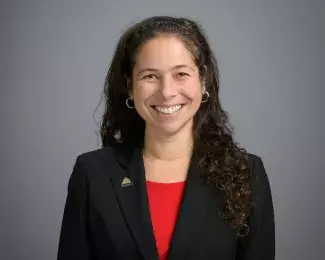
(126, 182)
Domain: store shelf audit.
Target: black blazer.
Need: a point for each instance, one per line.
(105, 220)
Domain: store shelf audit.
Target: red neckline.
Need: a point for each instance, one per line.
(165, 183)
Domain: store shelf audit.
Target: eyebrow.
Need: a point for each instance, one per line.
(155, 70)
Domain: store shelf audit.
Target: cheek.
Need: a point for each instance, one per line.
(141, 93)
(192, 90)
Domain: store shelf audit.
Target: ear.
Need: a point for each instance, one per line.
(203, 78)
(203, 87)
(129, 87)
(128, 82)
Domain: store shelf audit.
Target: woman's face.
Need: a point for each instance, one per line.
(167, 90)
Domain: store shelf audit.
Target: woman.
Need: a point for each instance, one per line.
(169, 182)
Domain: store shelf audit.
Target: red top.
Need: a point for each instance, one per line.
(164, 202)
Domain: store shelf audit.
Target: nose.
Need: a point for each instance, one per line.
(168, 88)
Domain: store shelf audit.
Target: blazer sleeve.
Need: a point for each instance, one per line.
(73, 242)
(260, 242)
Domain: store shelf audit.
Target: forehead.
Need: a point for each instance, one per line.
(163, 52)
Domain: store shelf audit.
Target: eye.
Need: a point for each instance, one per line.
(182, 74)
(150, 76)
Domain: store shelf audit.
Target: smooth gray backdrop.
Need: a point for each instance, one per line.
(54, 57)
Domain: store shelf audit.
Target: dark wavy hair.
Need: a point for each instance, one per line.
(215, 151)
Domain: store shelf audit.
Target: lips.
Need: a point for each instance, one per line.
(168, 109)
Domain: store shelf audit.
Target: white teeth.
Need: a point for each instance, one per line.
(168, 110)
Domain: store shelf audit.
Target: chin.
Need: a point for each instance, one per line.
(173, 129)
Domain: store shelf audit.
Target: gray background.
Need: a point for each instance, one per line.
(54, 57)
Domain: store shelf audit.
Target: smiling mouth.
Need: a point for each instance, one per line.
(168, 109)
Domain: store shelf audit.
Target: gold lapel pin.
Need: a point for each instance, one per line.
(126, 182)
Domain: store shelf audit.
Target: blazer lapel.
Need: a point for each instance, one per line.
(132, 196)
(199, 199)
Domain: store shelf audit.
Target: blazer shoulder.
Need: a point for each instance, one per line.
(252, 159)
(97, 154)
(256, 165)
(96, 160)
(107, 157)
(259, 178)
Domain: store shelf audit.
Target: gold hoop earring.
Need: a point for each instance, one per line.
(127, 103)
(207, 96)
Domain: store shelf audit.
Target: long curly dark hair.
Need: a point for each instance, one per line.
(215, 151)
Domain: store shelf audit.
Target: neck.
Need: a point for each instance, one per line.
(168, 147)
